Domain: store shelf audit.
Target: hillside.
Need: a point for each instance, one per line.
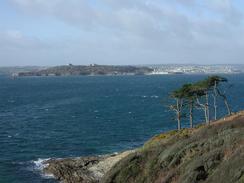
(206, 154)
(73, 70)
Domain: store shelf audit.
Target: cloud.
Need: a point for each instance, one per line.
(131, 16)
(19, 49)
(140, 30)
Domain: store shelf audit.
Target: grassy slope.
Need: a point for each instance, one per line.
(208, 154)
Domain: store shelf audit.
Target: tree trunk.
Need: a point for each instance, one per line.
(227, 106)
(215, 101)
(225, 101)
(179, 113)
(206, 115)
(207, 110)
(191, 114)
(204, 108)
(178, 120)
(215, 108)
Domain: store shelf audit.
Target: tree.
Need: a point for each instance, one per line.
(197, 95)
(214, 83)
(184, 96)
(188, 94)
(177, 108)
(201, 90)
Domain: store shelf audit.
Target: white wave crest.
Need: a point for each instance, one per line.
(39, 166)
(40, 163)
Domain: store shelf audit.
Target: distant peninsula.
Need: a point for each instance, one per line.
(87, 70)
(95, 69)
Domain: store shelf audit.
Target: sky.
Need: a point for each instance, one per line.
(121, 32)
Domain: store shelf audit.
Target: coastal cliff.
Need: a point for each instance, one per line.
(205, 154)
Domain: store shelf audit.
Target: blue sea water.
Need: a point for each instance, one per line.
(48, 117)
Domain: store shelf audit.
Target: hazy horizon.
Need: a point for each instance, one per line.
(121, 32)
(234, 64)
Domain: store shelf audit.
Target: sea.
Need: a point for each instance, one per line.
(57, 117)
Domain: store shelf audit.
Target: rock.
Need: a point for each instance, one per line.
(83, 169)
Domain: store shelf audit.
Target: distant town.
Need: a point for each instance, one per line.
(197, 69)
(95, 69)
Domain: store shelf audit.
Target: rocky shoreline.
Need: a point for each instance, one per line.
(82, 169)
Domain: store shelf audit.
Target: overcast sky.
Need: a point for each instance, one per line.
(55, 32)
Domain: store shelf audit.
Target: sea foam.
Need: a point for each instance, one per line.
(39, 166)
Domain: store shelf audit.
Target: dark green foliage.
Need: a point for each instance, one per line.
(197, 95)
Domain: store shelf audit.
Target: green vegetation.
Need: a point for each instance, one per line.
(197, 95)
(207, 154)
(89, 70)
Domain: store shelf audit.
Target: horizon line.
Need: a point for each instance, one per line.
(122, 64)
